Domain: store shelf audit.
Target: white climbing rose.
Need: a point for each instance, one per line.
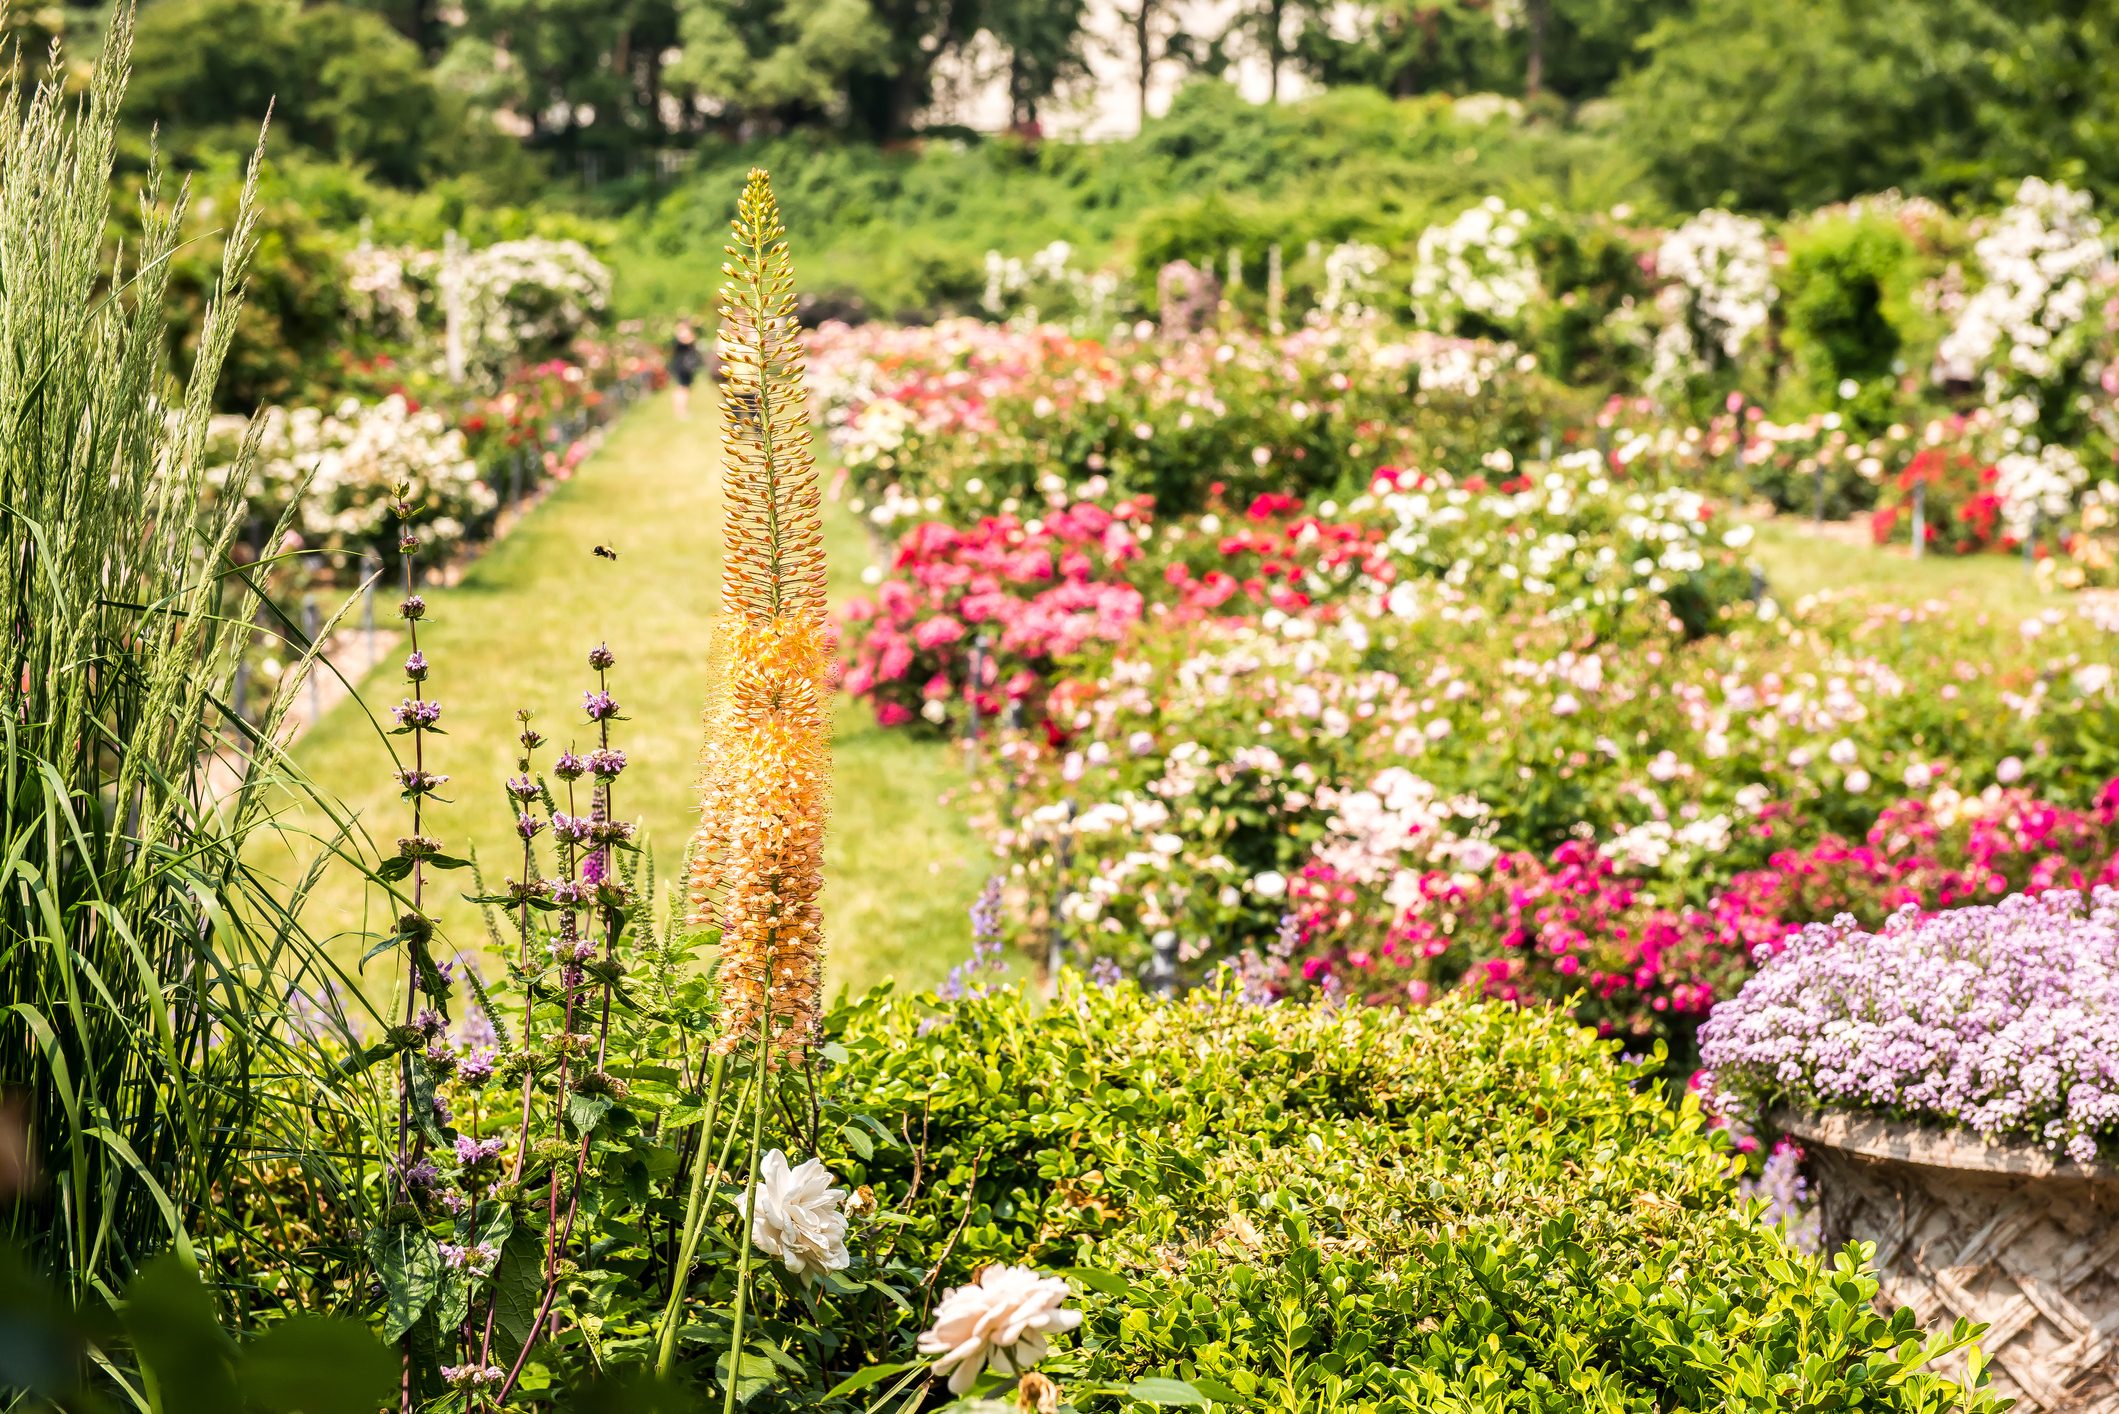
(1004, 1319)
(800, 1218)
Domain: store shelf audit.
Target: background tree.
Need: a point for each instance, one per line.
(1774, 106)
(339, 80)
(1044, 42)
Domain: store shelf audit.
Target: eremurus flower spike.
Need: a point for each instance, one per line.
(759, 851)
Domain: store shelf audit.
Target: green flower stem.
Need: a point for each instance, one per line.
(750, 1206)
(694, 1219)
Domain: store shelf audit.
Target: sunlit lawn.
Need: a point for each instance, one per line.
(516, 633)
(1799, 561)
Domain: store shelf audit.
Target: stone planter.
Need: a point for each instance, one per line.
(2003, 1234)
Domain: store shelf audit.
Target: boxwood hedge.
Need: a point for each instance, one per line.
(1470, 1207)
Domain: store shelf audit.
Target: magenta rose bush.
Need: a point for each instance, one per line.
(982, 615)
(1388, 808)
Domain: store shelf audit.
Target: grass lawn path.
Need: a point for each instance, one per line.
(902, 867)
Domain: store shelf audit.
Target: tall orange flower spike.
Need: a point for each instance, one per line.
(758, 856)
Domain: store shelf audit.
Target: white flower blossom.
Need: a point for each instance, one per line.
(1478, 265)
(799, 1218)
(1005, 1320)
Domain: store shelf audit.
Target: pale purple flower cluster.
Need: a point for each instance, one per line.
(472, 1152)
(2002, 1020)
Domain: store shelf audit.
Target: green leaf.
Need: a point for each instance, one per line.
(518, 1285)
(586, 1112)
(862, 1379)
(1159, 1391)
(409, 1265)
(178, 1338)
(316, 1365)
(753, 1377)
(1109, 1283)
(857, 1140)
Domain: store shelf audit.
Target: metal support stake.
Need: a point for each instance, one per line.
(1162, 970)
(1056, 952)
(973, 687)
(1920, 519)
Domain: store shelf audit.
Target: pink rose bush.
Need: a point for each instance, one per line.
(961, 604)
(1387, 808)
(1027, 594)
(963, 420)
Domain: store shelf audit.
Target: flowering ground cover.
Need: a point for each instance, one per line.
(1999, 1019)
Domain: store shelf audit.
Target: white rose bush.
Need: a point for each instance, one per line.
(1475, 274)
(1717, 295)
(340, 471)
(2023, 335)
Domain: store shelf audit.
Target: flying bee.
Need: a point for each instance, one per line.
(605, 552)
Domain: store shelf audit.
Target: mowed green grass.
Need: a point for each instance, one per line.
(1799, 561)
(902, 866)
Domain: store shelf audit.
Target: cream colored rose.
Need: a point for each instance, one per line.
(800, 1218)
(1003, 1320)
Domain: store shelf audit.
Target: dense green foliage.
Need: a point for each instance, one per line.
(1467, 1207)
(908, 229)
(1790, 105)
(1847, 300)
(338, 80)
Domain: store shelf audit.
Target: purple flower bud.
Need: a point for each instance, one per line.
(416, 667)
(569, 766)
(600, 706)
(414, 715)
(416, 782)
(605, 764)
(601, 657)
(413, 608)
(472, 1152)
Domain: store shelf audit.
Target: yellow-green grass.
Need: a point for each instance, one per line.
(902, 867)
(1799, 560)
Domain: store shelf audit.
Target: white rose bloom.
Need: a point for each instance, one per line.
(1003, 1320)
(800, 1218)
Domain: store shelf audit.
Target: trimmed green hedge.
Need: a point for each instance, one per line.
(1466, 1207)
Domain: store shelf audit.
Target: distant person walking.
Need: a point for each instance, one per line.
(685, 363)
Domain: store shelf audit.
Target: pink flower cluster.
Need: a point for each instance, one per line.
(1033, 591)
(1572, 925)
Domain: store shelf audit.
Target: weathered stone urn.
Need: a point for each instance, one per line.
(2006, 1234)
